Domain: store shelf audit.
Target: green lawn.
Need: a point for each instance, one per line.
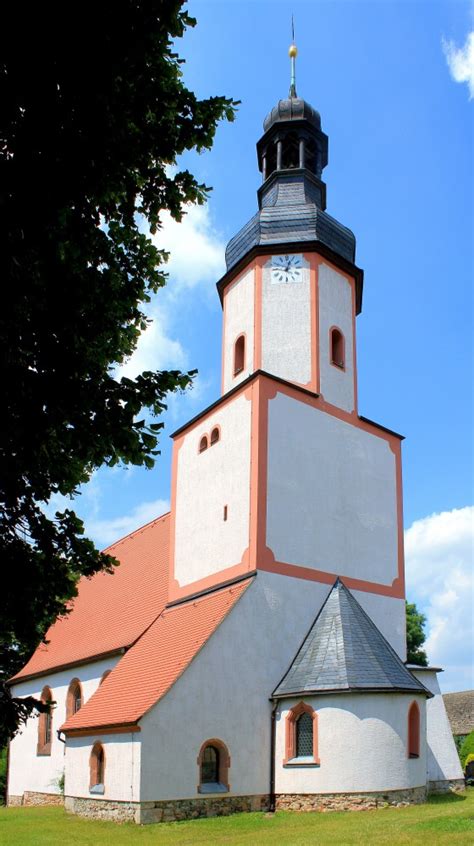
(444, 819)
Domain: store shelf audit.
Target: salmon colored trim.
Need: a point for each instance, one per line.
(290, 732)
(217, 429)
(201, 448)
(88, 732)
(413, 744)
(43, 747)
(232, 284)
(224, 761)
(258, 312)
(265, 558)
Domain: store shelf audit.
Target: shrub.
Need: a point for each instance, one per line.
(467, 748)
(3, 775)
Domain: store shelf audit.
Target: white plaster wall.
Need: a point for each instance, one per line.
(331, 494)
(239, 318)
(204, 542)
(335, 309)
(362, 745)
(286, 327)
(122, 766)
(388, 614)
(442, 759)
(39, 773)
(225, 691)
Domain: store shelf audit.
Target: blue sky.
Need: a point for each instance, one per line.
(382, 75)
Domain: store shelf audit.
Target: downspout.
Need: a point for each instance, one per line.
(272, 756)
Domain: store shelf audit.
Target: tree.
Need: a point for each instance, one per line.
(94, 111)
(416, 637)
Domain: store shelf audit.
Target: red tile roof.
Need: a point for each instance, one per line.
(155, 662)
(111, 611)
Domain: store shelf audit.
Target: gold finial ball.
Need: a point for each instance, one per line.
(292, 52)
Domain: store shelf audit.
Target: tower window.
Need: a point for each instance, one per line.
(215, 435)
(97, 769)
(45, 724)
(213, 762)
(203, 443)
(414, 731)
(239, 355)
(337, 351)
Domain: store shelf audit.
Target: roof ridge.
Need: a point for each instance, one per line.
(138, 529)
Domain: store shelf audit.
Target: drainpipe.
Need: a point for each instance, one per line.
(272, 756)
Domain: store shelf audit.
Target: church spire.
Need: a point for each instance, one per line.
(293, 52)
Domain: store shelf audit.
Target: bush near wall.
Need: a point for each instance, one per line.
(467, 748)
(3, 775)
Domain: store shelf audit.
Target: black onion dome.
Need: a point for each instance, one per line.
(293, 108)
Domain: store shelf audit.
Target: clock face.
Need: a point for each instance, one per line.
(287, 268)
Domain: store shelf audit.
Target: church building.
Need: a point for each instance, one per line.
(249, 652)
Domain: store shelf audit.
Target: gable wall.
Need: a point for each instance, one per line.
(39, 773)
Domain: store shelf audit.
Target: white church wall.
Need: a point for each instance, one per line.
(40, 773)
(334, 484)
(388, 614)
(335, 309)
(238, 320)
(220, 476)
(442, 759)
(362, 745)
(224, 693)
(122, 753)
(286, 326)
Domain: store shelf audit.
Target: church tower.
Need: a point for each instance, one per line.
(282, 474)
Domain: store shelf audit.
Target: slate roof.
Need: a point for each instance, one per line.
(460, 710)
(111, 610)
(344, 652)
(148, 670)
(290, 213)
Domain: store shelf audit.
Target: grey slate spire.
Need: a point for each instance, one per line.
(292, 155)
(344, 652)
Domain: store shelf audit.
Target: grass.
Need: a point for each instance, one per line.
(443, 820)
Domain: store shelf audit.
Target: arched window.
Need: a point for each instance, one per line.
(213, 762)
(203, 443)
(74, 698)
(45, 725)
(239, 355)
(97, 769)
(337, 348)
(215, 435)
(301, 742)
(414, 731)
(291, 151)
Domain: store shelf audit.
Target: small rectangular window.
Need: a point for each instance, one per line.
(225, 513)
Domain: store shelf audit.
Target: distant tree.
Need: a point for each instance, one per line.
(415, 622)
(467, 749)
(94, 111)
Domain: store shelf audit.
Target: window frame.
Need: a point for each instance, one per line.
(241, 340)
(291, 759)
(341, 365)
(222, 785)
(72, 697)
(97, 768)
(414, 730)
(45, 724)
(203, 444)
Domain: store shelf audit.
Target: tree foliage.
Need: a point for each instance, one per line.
(94, 110)
(467, 749)
(415, 622)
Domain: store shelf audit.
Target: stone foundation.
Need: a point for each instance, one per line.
(349, 801)
(30, 797)
(454, 785)
(165, 811)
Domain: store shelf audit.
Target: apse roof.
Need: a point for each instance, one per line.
(111, 610)
(345, 652)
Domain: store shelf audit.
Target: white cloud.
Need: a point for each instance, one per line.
(195, 247)
(105, 532)
(156, 348)
(439, 567)
(461, 61)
